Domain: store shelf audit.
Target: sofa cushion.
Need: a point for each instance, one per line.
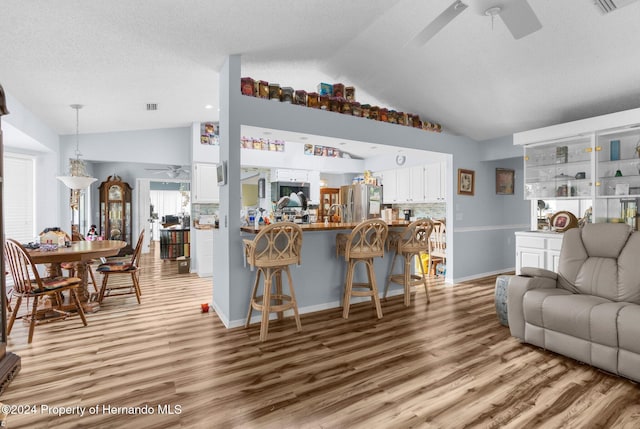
(629, 328)
(533, 302)
(629, 271)
(604, 323)
(605, 240)
(599, 277)
(570, 314)
(589, 262)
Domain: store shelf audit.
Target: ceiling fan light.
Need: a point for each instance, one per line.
(493, 11)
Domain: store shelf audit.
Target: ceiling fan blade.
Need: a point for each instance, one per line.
(438, 24)
(519, 18)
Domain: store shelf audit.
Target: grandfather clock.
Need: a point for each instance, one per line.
(9, 362)
(115, 212)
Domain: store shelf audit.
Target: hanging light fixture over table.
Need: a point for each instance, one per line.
(78, 178)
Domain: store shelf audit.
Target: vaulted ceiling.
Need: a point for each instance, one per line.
(473, 77)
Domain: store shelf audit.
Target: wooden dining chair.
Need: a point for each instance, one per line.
(27, 283)
(437, 247)
(129, 267)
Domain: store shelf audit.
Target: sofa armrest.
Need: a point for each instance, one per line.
(538, 272)
(517, 287)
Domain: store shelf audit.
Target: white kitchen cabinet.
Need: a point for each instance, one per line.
(389, 187)
(203, 252)
(416, 175)
(314, 186)
(403, 185)
(434, 182)
(538, 250)
(287, 175)
(204, 184)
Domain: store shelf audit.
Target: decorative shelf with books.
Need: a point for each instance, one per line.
(174, 243)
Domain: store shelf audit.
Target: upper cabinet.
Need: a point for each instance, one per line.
(410, 185)
(286, 175)
(561, 169)
(596, 159)
(434, 182)
(389, 187)
(618, 163)
(204, 186)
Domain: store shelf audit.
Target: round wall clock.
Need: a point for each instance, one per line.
(400, 159)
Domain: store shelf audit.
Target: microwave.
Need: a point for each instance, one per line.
(284, 189)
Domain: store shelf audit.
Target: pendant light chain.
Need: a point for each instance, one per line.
(77, 107)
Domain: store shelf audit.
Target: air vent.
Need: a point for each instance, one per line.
(608, 6)
(152, 106)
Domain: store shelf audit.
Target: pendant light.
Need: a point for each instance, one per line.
(78, 177)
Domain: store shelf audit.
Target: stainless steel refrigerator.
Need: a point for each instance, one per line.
(360, 202)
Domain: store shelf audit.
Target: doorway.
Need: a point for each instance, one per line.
(176, 201)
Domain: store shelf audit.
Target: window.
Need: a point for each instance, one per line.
(19, 197)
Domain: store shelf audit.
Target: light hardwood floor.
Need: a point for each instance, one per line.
(449, 364)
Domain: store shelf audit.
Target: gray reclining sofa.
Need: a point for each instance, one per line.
(590, 309)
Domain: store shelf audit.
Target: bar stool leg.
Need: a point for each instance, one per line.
(424, 279)
(278, 274)
(393, 263)
(374, 287)
(253, 298)
(266, 305)
(407, 280)
(348, 286)
(293, 300)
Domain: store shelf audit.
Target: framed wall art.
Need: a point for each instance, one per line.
(504, 181)
(466, 181)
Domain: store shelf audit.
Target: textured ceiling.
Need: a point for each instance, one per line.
(472, 77)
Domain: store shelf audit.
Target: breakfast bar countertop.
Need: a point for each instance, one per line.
(331, 226)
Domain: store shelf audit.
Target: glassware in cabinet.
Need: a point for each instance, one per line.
(561, 169)
(618, 163)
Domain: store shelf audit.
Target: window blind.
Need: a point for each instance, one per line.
(19, 197)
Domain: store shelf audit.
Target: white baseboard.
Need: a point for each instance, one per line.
(481, 275)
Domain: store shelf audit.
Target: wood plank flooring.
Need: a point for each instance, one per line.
(448, 364)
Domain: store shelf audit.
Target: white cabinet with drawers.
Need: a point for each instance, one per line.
(538, 249)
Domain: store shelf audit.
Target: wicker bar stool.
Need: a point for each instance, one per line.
(365, 242)
(407, 244)
(273, 249)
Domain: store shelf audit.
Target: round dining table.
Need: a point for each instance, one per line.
(81, 252)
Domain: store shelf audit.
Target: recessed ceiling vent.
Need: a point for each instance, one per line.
(152, 106)
(608, 6)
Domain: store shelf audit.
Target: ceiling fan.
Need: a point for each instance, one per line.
(173, 171)
(517, 15)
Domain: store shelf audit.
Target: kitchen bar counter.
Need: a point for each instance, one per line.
(320, 226)
(319, 279)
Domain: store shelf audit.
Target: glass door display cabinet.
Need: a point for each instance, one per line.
(596, 167)
(328, 197)
(115, 212)
(559, 170)
(618, 175)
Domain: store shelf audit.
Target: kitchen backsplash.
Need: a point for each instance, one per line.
(203, 209)
(427, 210)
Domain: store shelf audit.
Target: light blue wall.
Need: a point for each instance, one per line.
(126, 154)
